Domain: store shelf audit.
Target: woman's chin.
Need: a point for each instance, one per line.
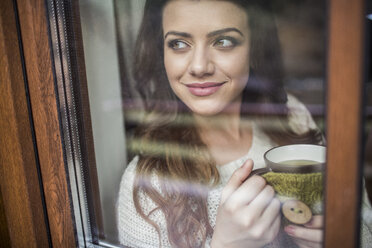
(215, 108)
(207, 112)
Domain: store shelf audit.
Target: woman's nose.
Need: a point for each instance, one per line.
(201, 63)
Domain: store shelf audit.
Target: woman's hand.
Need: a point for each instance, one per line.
(249, 213)
(308, 236)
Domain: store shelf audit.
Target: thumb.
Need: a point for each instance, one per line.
(315, 222)
(237, 178)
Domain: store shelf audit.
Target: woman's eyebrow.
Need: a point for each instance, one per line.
(224, 30)
(182, 34)
(211, 34)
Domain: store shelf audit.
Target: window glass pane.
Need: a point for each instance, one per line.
(366, 213)
(180, 102)
(98, 20)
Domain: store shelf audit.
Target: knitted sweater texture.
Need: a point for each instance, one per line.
(134, 231)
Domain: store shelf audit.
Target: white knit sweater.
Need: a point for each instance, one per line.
(134, 231)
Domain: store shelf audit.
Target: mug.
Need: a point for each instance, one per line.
(296, 174)
(297, 158)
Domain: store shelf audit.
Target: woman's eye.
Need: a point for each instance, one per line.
(225, 43)
(177, 45)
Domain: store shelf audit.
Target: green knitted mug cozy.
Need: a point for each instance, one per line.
(306, 187)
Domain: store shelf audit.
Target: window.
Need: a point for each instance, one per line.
(84, 108)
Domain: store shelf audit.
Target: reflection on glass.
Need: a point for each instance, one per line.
(366, 212)
(184, 107)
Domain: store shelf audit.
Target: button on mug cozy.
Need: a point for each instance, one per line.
(299, 188)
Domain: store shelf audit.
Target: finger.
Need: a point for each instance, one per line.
(259, 204)
(247, 192)
(315, 222)
(313, 235)
(253, 211)
(270, 214)
(307, 244)
(237, 178)
(266, 225)
(275, 227)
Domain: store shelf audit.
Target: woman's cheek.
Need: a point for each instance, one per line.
(175, 66)
(233, 64)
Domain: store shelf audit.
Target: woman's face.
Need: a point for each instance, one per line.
(206, 53)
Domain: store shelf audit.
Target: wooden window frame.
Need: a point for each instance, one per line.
(36, 201)
(344, 111)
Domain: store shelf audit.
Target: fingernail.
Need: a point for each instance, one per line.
(245, 164)
(309, 224)
(290, 230)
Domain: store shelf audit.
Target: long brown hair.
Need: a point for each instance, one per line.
(168, 143)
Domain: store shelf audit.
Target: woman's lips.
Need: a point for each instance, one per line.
(204, 89)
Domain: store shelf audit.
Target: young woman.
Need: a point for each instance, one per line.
(211, 77)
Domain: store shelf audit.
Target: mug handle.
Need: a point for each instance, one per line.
(260, 171)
